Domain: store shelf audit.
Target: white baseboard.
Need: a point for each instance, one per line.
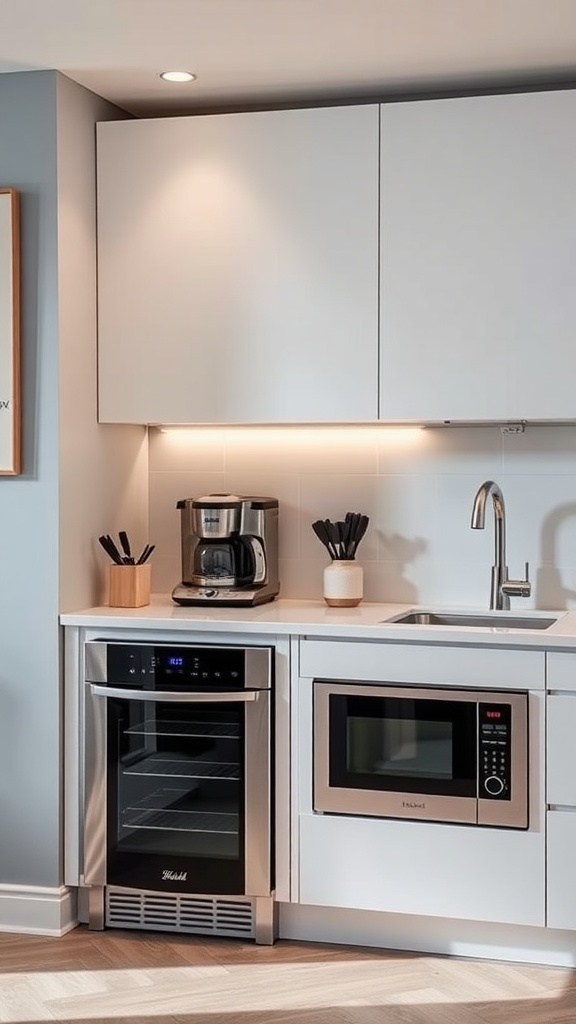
(35, 910)
(477, 939)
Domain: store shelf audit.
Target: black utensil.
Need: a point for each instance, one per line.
(347, 538)
(321, 530)
(123, 537)
(361, 529)
(353, 542)
(334, 534)
(341, 539)
(145, 554)
(111, 549)
(342, 528)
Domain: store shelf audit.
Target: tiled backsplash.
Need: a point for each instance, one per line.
(417, 486)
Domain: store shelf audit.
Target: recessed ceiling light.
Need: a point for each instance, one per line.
(178, 76)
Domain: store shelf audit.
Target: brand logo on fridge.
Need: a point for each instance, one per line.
(174, 876)
(413, 805)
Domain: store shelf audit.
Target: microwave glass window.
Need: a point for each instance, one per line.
(415, 745)
(399, 747)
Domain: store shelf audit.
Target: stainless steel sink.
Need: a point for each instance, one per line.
(490, 620)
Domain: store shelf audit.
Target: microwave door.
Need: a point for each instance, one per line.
(393, 752)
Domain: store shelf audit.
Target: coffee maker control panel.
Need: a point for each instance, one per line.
(186, 593)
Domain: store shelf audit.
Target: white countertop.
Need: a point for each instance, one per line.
(315, 618)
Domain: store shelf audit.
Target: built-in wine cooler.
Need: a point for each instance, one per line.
(178, 788)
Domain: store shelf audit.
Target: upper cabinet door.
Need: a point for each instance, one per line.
(478, 258)
(238, 267)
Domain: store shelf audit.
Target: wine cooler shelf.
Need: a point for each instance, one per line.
(184, 768)
(166, 810)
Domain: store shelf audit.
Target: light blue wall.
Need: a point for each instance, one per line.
(29, 641)
(79, 479)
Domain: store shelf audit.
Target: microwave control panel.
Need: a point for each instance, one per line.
(495, 739)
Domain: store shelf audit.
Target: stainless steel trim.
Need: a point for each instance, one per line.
(95, 661)
(95, 782)
(257, 755)
(472, 810)
(96, 908)
(265, 921)
(218, 522)
(257, 758)
(258, 667)
(237, 696)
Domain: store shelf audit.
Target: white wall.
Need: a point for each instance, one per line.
(417, 487)
(103, 469)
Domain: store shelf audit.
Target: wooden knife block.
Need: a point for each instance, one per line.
(129, 585)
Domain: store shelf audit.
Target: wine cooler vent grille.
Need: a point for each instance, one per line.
(175, 912)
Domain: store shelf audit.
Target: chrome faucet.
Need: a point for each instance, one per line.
(501, 588)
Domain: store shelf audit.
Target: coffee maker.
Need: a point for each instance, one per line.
(229, 550)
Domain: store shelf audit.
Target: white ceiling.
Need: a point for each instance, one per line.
(271, 51)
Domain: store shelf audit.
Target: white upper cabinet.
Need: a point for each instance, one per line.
(238, 267)
(478, 258)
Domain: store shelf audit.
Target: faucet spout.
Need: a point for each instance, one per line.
(499, 599)
(502, 587)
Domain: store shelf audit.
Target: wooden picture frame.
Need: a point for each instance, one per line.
(10, 432)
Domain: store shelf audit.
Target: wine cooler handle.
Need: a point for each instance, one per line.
(239, 696)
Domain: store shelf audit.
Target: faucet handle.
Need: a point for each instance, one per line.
(518, 588)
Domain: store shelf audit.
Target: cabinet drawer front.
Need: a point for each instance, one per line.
(405, 663)
(561, 670)
(426, 869)
(561, 749)
(561, 854)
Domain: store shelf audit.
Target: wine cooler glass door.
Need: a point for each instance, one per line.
(176, 796)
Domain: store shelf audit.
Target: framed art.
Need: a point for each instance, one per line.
(9, 332)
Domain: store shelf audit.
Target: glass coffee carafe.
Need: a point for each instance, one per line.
(223, 563)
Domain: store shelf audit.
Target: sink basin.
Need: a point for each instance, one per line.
(490, 620)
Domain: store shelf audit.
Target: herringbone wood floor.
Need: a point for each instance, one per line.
(150, 978)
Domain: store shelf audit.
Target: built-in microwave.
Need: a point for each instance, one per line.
(425, 753)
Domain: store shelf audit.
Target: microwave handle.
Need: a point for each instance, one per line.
(240, 696)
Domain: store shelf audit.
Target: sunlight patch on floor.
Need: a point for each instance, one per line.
(241, 988)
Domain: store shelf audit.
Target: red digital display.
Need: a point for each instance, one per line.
(493, 714)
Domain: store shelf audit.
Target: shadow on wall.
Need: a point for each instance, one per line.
(550, 592)
(399, 553)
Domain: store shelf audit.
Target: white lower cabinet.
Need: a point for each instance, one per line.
(422, 868)
(561, 796)
(561, 860)
(561, 749)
